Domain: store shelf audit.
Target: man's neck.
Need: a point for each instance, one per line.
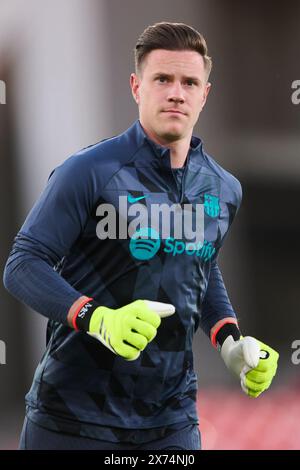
(178, 153)
(178, 149)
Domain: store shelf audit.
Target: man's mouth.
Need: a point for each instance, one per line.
(174, 111)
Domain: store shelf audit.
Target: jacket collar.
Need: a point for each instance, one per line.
(163, 153)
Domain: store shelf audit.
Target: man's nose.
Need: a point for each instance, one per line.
(176, 93)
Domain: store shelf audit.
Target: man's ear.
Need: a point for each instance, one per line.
(205, 94)
(134, 85)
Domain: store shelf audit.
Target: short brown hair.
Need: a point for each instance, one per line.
(172, 37)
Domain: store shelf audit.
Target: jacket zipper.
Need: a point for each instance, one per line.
(182, 188)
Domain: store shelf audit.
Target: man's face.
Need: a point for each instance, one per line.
(170, 90)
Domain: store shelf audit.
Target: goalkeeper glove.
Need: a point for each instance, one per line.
(252, 361)
(126, 331)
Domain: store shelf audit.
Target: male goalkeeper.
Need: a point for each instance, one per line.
(109, 253)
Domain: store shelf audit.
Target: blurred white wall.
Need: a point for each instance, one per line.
(60, 99)
(59, 95)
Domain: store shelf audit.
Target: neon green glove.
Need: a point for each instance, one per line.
(126, 331)
(251, 360)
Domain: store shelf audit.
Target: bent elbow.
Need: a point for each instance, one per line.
(8, 277)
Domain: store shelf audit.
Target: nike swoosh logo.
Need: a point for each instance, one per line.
(132, 199)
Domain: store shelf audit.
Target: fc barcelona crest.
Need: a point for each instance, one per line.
(211, 205)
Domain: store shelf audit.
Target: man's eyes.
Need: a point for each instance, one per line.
(188, 82)
(162, 79)
(191, 82)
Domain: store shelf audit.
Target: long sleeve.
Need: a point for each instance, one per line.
(46, 237)
(34, 281)
(216, 305)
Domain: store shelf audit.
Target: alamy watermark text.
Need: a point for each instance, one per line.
(2, 92)
(2, 352)
(295, 96)
(296, 354)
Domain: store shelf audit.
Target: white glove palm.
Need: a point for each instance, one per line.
(240, 355)
(252, 361)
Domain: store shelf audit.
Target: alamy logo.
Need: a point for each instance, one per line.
(181, 222)
(296, 354)
(2, 353)
(295, 97)
(2, 92)
(175, 229)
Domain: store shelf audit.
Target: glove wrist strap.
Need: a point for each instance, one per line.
(226, 329)
(82, 316)
(229, 329)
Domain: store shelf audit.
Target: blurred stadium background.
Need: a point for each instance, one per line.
(66, 67)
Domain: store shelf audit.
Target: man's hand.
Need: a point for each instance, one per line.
(251, 360)
(126, 331)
